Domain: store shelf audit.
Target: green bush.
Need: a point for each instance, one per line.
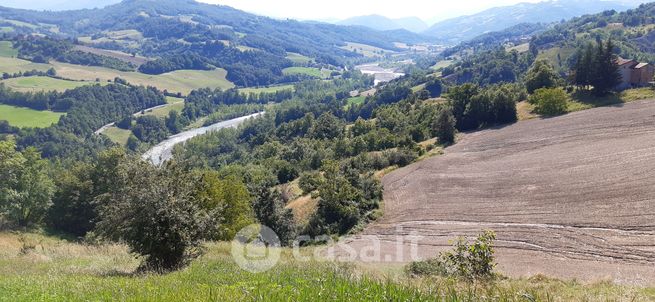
(309, 182)
(549, 101)
(541, 75)
(158, 213)
(467, 260)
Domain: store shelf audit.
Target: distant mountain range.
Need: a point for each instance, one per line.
(498, 18)
(378, 22)
(57, 5)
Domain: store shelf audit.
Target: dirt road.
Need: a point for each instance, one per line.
(570, 197)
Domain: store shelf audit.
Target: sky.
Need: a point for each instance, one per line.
(428, 10)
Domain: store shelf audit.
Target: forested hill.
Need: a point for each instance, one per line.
(188, 20)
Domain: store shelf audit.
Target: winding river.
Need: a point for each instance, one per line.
(163, 152)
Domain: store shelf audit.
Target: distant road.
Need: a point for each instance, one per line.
(164, 151)
(570, 197)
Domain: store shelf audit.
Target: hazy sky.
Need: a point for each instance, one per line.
(342, 9)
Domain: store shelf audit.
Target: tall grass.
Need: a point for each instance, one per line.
(55, 270)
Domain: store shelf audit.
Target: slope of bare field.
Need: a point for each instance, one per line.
(570, 197)
(125, 57)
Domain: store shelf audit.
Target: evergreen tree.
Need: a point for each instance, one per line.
(606, 69)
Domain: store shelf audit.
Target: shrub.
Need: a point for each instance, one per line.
(468, 261)
(309, 182)
(157, 214)
(549, 101)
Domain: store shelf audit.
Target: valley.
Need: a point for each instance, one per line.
(186, 150)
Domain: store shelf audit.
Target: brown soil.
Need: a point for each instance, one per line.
(570, 197)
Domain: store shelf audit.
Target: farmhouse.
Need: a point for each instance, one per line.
(634, 73)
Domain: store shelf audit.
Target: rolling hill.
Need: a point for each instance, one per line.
(253, 49)
(498, 18)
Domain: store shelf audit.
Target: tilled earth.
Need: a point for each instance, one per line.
(569, 197)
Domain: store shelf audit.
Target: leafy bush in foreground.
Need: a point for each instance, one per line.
(158, 214)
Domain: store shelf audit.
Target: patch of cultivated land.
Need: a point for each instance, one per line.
(570, 197)
(177, 81)
(309, 71)
(269, 89)
(125, 57)
(7, 50)
(14, 65)
(28, 118)
(39, 83)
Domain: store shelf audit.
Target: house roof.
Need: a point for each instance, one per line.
(622, 61)
(641, 65)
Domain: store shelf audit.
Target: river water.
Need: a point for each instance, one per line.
(382, 75)
(163, 152)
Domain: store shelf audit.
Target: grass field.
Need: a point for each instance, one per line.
(117, 135)
(584, 101)
(355, 100)
(267, 89)
(442, 64)
(365, 50)
(174, 104)
(177, 81)
(521, 48)
(7, 50)
(298, 58)
(6, 29)
(35, 267)
(38, 83)
(20, 23)
(246, 48)
(28, 118)
(556, 56)
(14, 65)
(310, 71)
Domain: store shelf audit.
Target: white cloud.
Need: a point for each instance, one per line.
(341, 9)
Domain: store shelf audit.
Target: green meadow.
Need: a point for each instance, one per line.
(298, 58)
(309, 71)
(269, 89)
(6, 49)
(39, 83)
(28, 118)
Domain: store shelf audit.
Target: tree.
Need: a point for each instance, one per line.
(444, 126)
(229, 196)
(26, 189)
(549, 101)
(460, 97)
(435, 87)
(157, 214)
(327, 126)
(606, 69)
(338, 210)
(541, 75)
(584, 68)
(270, 211)
(72, 208)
